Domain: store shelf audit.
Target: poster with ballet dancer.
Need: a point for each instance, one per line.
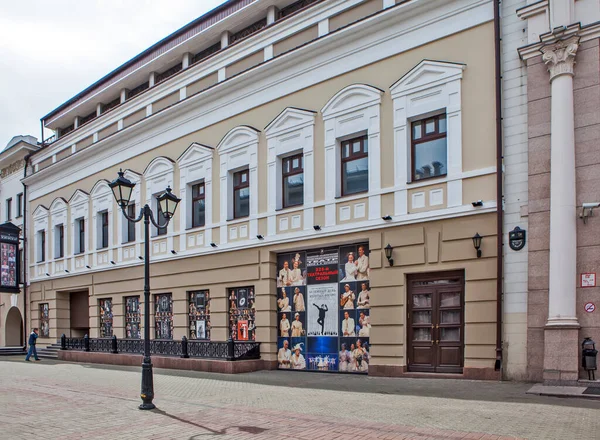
(322, 310)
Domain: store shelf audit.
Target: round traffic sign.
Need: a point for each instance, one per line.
(590, 307)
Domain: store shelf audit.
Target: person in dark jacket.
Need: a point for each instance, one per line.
(32, 340)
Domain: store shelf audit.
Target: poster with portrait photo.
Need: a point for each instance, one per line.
(363, 295)
(354, 263)
(284, 353)
(284, 324)
(284, 302)
(291, 269)
(298, 324)
(323, 306)
(363, 323)
(347, 295)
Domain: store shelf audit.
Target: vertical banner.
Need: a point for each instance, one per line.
(9, 258)
(323, 304)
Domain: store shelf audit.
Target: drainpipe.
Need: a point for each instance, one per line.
(500, 205)
(25, 244)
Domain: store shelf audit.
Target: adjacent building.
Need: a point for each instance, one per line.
(561, 57)
(337, 164)
(13, 210)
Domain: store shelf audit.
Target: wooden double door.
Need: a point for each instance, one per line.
(435, 322)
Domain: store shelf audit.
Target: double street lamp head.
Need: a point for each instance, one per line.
(122, 188)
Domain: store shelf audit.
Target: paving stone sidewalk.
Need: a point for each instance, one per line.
(54, 400)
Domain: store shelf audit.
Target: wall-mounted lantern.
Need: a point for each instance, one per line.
(477, 244)
(388, 254)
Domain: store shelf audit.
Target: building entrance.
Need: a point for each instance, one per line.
(14, 328)
(79, 303)
(436, 322)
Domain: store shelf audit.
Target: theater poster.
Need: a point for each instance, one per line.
(323, 304)
(9, 258)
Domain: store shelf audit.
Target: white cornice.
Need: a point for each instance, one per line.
(392, 31)
(585, 33)
(532, 9)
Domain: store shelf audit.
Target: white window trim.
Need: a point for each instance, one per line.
(102, 201)
(195, 166)
(238, 150)
(353, 111)
(79, 204)
(122, 221)
(59, 216)
(40, 223)
(158, 175)
(428, 88)
(291, 132)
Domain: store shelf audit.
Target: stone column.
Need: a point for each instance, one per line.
(561, 347)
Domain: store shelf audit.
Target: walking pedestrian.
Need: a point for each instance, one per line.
(32, 340)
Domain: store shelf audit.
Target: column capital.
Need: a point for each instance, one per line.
(560, 56)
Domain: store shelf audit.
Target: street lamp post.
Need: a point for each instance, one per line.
(122, 189)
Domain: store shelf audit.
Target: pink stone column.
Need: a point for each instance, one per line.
(561, 333)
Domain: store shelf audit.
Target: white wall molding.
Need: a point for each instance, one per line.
(157, 177)
(430, 87)
(195, 166)
(353, 111)
(291, 132)
(237, 150)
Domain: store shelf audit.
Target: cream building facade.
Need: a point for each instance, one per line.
(301, 137)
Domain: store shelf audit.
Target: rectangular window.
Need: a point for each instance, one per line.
(106, 318)
(59, 241)
(80, 235)
(130, 225)
(132, 317)
(19, 205)
(199, 313)
(242, 314)
(103, 230)
(44, 320)
(241, 194)
(41, 246)
(161, 220)
(429, 148)
(163, 316)
(293, 180)
(8, 209)
(355, 166)
(198, 205)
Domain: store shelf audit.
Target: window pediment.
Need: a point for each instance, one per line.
(351, 98)
(427, 74)
(195, 153)
(40, 212)
(79, 197)
(58, 205)
(159, 166)
(289, 119)
(100, 188)
(238, 137)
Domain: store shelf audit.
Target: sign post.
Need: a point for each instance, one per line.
(10, 269)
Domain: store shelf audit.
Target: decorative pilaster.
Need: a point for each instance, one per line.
(561, 333)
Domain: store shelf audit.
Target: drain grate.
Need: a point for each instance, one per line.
(592, 390)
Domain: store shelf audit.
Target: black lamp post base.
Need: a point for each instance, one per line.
(147, 394)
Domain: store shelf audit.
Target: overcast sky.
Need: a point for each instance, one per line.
(52, 50)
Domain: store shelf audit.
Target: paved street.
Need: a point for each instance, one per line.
(55, 400)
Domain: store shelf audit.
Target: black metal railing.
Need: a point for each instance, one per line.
(228, 350)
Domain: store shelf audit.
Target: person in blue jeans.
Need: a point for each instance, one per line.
(32, 340)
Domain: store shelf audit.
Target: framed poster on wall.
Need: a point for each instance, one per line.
(10, 270)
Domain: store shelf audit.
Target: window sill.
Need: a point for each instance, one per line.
(289, 208)
(434, 180)
(238, 218)
(76, 254)
(196, 228)
(127, 243)
(354, 196)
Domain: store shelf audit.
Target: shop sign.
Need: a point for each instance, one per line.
(588, 280)
(9, 258)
